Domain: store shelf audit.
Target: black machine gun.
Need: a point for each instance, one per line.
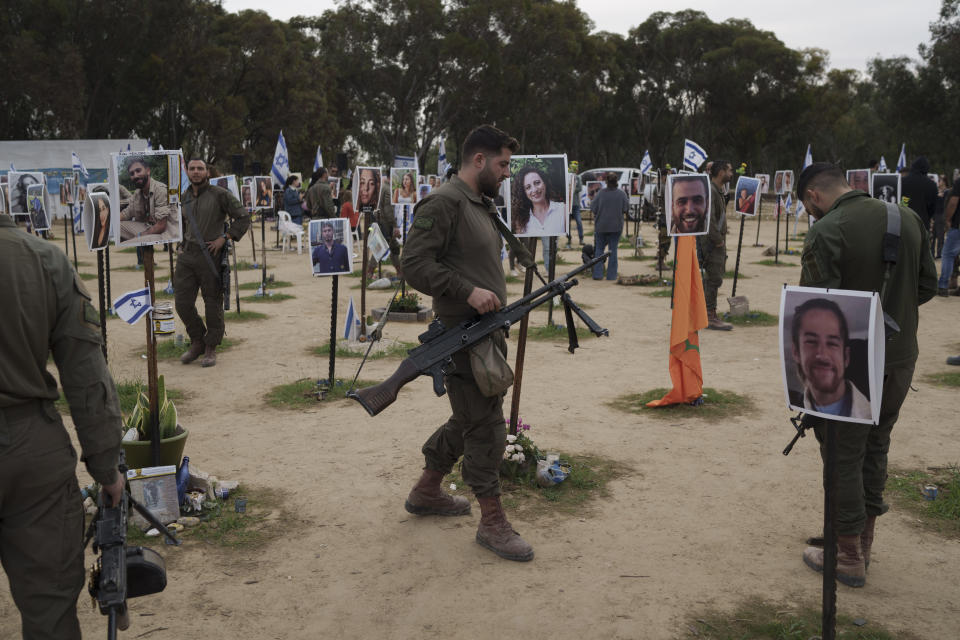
(122, 572)
(434, 356)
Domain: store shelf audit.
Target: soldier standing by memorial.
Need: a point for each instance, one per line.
(205, 211)
(712, 247)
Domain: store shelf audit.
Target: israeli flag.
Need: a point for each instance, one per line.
(786, 205)
(184, 180)
(646, 164)
(693, 155)
(407, 162)
(149, 146)
(807, 159)
(442, 159)
(78, 218)
(902, 160)
(12, 168)
(882, 167)
(281, 162)
(351, 325)
(78, 165)
(133, 305)
(317, 160)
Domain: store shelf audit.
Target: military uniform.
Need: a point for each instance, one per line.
(454, 246)
(41, 512)
(843, 250)
(713, 248)
(320, 201)
(144, 211)
(209, 209)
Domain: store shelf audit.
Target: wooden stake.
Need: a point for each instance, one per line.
(521, 345)
(152, 391)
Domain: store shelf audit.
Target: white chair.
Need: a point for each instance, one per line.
(289, 229)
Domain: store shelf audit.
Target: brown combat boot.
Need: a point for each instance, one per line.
(866, 540)
(715, 323)
(209, 357)
(496, 534)
(196, 348)
(850, 567)
(428, 499)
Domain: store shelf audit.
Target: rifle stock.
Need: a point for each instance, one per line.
(380, 396)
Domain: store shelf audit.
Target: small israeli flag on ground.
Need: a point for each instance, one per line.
(442, 159)
(646, 164)
(902, 160)
(133, 305)
(78, 165)
(807, 159)
(882, 166)
(693, 155)
(281, 162)
(351, 325)
(318, 160)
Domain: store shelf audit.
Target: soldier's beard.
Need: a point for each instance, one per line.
(488, 182)
(139, 182)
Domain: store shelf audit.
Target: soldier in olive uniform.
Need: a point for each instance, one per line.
(453, 254)
(205, 207)
(713, 246)
(844, 250)
(319, 199)
(41, 511)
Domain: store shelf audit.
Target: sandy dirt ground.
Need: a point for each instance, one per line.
(710, 513)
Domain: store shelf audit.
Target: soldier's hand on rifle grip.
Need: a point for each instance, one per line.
(214, 246)
(114, 490)
(483, 300)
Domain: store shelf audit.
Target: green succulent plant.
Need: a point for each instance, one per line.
(139, 418)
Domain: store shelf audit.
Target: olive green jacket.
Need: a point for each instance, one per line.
(210, 208)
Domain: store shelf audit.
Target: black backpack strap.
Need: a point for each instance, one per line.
(891, 253)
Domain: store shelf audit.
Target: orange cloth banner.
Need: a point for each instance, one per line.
(689, 316)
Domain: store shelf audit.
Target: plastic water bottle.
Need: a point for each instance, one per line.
(183, 478)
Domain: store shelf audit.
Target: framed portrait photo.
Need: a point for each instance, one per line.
(687, 202)
(860, 179)
(832, 352)
(145, 198)
(96, 220)
(330, 252)
(18, 182)
(537, 205)
(262, 192)
(886, 187)
(403, 185)
(367, 184)
(37, 207)
(783, 182)
(764, 179)
(334, 183)
(746, 196)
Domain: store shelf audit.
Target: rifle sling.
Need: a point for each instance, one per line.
(203, 248)
(522, 254)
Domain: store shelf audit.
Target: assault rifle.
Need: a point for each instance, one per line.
(434, 356)
(121, 572)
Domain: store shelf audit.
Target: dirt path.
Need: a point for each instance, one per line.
(710, 514)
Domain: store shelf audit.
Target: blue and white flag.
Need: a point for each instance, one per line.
(407, 162)
(902, 160)
(184, 180)
(646, 164)
(78, 218)
(786, 205)
(351, 325)
(12, 168)
(149, 146)
(807, 159)
(318, 160)
(78, 165)
(133, 305)
(281, 162)
(882, 166)
(693, 155)
(442, 159)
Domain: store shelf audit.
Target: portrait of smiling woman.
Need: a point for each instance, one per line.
(538, 195)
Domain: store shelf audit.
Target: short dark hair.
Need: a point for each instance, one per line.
(321, 172)
(487, 139)
(718, 166)
(612, 179)
(825, 305)
(196, 158)
(132, 160)
(819, 175)
(289, 180)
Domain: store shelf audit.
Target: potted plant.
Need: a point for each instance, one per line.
(136, 438)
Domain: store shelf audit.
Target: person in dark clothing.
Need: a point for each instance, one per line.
(919, 192)
(939, 225)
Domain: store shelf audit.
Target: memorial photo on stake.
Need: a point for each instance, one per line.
(537, 205)
(66, 191)
(764, 179)
(832, 352)
(263, 190)
(593, 187)
(859, 179)
(3, 198)
(366, 193)
(36, 204)
(328, 253)
(746, 195)
(403, 185)
(687, 204)
(146, 210)
(783, 182)
(246, 196)
(17, 184)
(334, 183)
(96, 220)
(886, 187)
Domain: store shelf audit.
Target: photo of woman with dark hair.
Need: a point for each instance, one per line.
(37, 207)
(538, 196)
(264, 192)
(404, 184)
(97, 220)
(19, 182)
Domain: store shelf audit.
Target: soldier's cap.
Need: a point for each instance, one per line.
(809, 174)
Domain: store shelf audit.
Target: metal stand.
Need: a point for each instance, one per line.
(403, 231)
(786, 231)
(673, 276)
(152, 391)
(333, 330)
(236, 276)
(551, 271)
(736, 268)
(776, 236)
(829, 620)
(106, 267)
(521, 344)
(66, 238)
(757, 241)
(363, 275)
(263, 253)
(73, 238)
(101, 288)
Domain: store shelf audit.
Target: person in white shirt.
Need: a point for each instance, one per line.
(536, 214)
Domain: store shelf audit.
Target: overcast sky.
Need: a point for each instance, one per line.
(852, 32)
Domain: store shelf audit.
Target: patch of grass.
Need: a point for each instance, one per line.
(157, 266)
(740, 276)
(717, 404)
(127, 250)
(588, 479)
(636, 258)
(513, 279)
(758, 620)
(168, 349)
(944, 379)
(244, 316)
(246, 265)
(302, 394)
(276, 297)
(395, 350)
(752, 319)
(87, 276)
(942, 514)
(276, 284)
(160, 294)
(661, 293)
(770, 263)
(554, 332)
(127, 391)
